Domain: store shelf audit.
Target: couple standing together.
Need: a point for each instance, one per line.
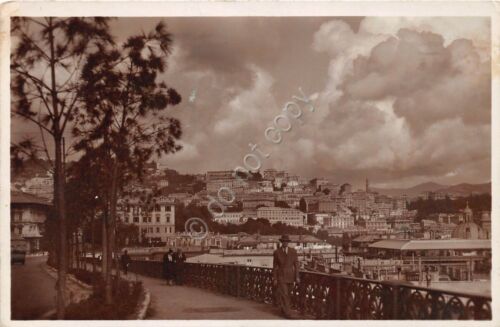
(285, 273)
(173, 266)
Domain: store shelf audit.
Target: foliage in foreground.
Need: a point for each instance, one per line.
(127, 296)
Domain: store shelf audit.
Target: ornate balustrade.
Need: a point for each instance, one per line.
(324, 296)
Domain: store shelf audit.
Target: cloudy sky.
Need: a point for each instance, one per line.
(400, 101)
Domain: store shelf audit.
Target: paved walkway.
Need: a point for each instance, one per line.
(183, 302)
(189, 303)
(33, 290)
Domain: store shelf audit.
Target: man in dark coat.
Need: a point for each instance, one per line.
(168, 261)
(285, 273)
(179, 258)
(125, 261)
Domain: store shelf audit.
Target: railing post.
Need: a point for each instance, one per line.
(238, 281)
(395, 302)
(227, 285)
(337, 298)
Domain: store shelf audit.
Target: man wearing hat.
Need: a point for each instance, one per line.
(285, 273)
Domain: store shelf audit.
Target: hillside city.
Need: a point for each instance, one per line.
(336, 228)
(365, 191)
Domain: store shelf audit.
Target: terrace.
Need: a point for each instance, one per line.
(317, 296)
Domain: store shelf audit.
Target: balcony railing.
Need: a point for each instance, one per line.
(324, 296)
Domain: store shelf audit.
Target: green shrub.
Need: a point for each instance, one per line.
(126, 297)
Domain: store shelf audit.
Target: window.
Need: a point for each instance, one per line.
(157, 219)
(157, 229)
(136, 219)
(168, 219)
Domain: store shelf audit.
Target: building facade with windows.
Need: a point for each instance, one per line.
(287, 216)
(155, 220)
(28, 215)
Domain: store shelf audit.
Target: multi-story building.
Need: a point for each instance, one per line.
(218, 175)
(266, 186)
(214, 185)
(287, 216)
(156, 220)
(400, 202)
(279, 181)
(217, 179)
(322, 219)
(327, 205)
(162, 182)
(253, 200)
(27, 217)
(449, 218)
(292, 199)
(343, 218)
(433, 195)
(376, 224)
(363, 201)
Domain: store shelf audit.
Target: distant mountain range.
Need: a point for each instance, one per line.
(412, 192)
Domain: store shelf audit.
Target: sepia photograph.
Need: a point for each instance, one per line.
(246, 167)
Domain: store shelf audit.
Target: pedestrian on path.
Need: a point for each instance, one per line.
(285, 273)
(179, 259)
(168, 266)
(125, 261)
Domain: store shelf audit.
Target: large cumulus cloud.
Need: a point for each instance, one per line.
(400, 100)
(408, 100)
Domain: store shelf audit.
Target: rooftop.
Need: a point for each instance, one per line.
(17, 197)
(255, 239)
(452, 244)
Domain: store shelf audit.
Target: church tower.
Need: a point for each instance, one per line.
(468, 213)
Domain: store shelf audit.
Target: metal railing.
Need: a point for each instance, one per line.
(326, 296)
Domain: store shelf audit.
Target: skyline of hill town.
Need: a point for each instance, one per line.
(39, 167)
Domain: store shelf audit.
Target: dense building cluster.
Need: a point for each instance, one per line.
(279, 197)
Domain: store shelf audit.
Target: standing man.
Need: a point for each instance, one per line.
(179, 259)
(168, 266)
(285, 273)
(125, 260)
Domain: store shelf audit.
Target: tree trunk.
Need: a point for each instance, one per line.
(112, 229)
(104, 247)
(78, 244)
(92, 240)
(59, 181)
(60, 207)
